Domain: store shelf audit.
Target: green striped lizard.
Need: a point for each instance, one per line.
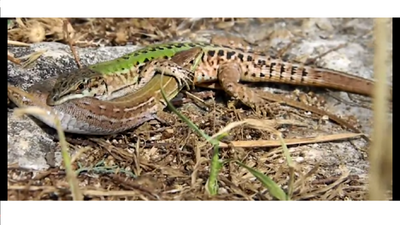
(115, 78)
(214, 62)
(102, 117)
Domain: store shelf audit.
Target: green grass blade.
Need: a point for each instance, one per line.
(216, 165)
(272, 187)
(190, 123)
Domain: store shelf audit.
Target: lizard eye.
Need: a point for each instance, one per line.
(81, 86)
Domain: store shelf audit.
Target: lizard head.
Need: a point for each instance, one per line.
(83, 83)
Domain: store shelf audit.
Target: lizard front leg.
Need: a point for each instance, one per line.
(181, 71)
(166, 67)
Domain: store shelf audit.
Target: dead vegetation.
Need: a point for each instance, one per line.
(171, 162)
(151, 164)
(120, 31)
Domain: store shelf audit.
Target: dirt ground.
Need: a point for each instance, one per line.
(169, 161)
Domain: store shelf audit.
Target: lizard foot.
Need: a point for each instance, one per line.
(184, 76)
(229, 75)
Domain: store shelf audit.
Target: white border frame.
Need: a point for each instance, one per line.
(203, 8)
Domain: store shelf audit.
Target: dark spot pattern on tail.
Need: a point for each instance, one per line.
(304, 74)
(294, 70)
(271, 69)
(211, 53)
(281, 71)
(230, 54)
(241, 56)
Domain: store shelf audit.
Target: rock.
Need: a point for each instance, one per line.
(30, 142)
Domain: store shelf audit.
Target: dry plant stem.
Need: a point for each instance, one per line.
(49, 189)
(31, 58)
(342, 178)
(14, 60)
(293, 141)
(311, 61)
(71, 43)
(286, 48)
(71, 177)
(289, 162)
(269, 125)
(18, 43)
(377, 186)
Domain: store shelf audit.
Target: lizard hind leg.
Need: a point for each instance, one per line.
(229, 77)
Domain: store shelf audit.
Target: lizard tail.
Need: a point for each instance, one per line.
(345, 82)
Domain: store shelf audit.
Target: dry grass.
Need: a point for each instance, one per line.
(121, 31)
(171, 162)
(150, 163)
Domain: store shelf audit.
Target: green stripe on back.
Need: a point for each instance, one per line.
(126, 62)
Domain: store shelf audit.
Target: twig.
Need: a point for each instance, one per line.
(71, 41)
(14, 60)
